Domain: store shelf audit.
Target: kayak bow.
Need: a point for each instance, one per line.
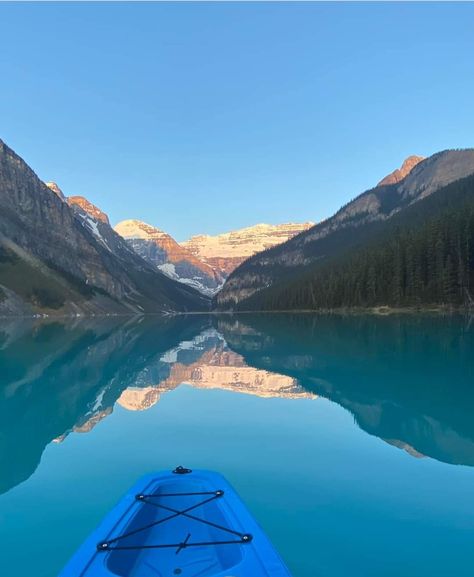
(187, 523)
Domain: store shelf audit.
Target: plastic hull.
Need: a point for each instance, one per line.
(168, 524)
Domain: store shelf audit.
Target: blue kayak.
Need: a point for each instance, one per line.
(187, 523)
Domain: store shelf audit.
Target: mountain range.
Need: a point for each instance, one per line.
(58, 257)
(225, 252)
(203, 262)
(407, 241)
(369, 253)
(163, 252)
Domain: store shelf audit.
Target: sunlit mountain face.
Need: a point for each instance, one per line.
(406, 380)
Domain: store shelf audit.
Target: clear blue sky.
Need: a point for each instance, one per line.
(201, 118)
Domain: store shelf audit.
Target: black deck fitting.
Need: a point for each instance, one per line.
(180, 470)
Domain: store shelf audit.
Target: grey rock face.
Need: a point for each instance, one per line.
(55, 188)
(161, 250)
(59, 260)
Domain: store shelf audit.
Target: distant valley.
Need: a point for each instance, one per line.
(59, 255)
(204, 262)
(407, 242)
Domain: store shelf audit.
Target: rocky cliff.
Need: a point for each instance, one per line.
(55, 188)
(225, 252)
(203, 262)
(163, 252)
(400, 173)
(59, 259)
(84, 205)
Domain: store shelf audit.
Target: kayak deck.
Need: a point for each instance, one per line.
(187, 523)
(176, 533)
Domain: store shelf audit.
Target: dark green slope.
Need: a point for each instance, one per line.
(257, 281)
(423, 255)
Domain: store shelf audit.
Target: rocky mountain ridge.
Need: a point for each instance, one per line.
(162, 251)
(226, 251)
(204, 261)
(399, 173)
(80, 204)
(58, 259)
(348, 227)
(83, 204)
(55, 188)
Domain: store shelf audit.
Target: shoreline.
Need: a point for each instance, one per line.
(343, 311)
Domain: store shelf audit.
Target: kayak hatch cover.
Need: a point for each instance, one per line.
(186, 523)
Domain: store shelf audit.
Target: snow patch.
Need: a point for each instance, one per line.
(198, 343)
(92, 225)
(98, 402)
(169, 270)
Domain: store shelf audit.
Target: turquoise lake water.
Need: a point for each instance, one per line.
(351, 439)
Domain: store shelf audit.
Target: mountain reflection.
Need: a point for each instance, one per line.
(59, 377)
(407, 380)
(204, 362)
(62, 378)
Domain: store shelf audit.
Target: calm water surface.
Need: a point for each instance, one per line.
(350, 439)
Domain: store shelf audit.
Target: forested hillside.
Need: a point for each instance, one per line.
(422, 256)
(263, 277)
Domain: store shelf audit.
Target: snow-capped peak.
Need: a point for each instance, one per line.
(137, 229)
